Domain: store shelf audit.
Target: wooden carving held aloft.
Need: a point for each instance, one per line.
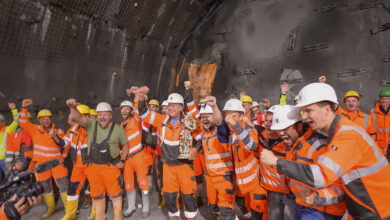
(202, 79)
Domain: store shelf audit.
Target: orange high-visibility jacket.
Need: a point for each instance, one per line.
(270, 178)
(169, 134)
(45, 148)
(76, 144)
(218, 158)
(353, 157)
(306, 150)
(243, 143)
(381, 120)
(19, 144)
(362, 119)
(133, 130)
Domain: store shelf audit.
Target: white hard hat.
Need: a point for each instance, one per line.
(164, 103)
(103, 107)
(255, 104)
(284, 116)
(316, 92)
(176, 98)
(126, 103)
(205, 109)
(272, 109)
(234, 105)
(2, 118)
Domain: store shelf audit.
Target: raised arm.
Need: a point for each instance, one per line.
(212, 102)
(75, 115)
(14, 125)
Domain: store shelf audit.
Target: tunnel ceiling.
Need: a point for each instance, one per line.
(51, 50)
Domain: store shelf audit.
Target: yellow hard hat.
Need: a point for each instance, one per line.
(92, 112)
(44, 112)
(246, 98)
(351, 94)
(154, 102)
(83, 109)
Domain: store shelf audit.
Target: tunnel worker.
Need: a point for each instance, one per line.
(351, 102)
(380, 116)
(179, 174)
(45, 149)
(365, 172)
(104, 157)
(219, 166)
(5, 133)
(280, 197)
(93, 114)
(77, 148)
(243, 142)
(135, 163)
(20, 148)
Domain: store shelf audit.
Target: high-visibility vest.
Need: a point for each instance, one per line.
(361, 119)
(133, 130)
(246, 166)
(3, 145)
(306, 150)
(76, 144)
(382, 125)
(270, 178)
(218, 158)
(45, 148)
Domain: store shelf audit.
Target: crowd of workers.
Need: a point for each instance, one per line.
(310, 159)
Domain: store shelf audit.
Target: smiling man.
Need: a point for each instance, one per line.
(351, 156)
(352, 112)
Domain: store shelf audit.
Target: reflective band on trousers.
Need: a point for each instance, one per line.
(219, 165)
(366, 171)
(247, 167)
(218, 156)
(376, 124)
(247, 179)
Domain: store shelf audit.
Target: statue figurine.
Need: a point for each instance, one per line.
(189, 125)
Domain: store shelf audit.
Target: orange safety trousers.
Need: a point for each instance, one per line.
(79, 175)
(220, 192)
(258, 203)
(149, 157)
(136, 164)
(179, 178)
(199, 166)
(57, 172)
(104, 178)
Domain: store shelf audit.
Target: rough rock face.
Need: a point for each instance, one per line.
(268, 41)
(93, 50)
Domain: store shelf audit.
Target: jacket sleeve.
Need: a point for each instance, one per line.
(283, 99)
(223, 132)
(24, 123)
(248, 136)
(152, 118)
(14, 125)
(190, 103)
(330, 195)
(67, 143)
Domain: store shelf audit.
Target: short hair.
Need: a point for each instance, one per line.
(333, 106)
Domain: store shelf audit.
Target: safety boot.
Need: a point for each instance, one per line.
(64, 197)
(130, 204)
(71, 209)
(145, 204)
(51, 206)
(162, 203)
(93, 212)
